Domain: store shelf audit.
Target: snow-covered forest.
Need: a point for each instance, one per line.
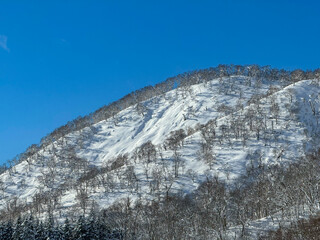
(230, 152)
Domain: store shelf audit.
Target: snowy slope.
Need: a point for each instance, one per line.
(49, 172)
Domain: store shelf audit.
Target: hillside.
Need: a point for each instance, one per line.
(223, 129)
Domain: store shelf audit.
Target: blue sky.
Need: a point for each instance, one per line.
(62, 59)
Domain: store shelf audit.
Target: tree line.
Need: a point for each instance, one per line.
(93, 227)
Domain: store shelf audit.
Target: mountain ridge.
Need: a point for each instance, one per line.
(170, 144)
(180, 80)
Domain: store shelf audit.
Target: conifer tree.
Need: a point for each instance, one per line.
(28, 228)
(40, 233)
(7, 231)
(67, 230)
(92, 227)
(80, 229)
(16, 235)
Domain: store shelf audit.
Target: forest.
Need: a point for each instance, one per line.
(207, 213)
(270, 119)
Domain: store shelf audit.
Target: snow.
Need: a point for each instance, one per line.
(259, 227)
(161, 115)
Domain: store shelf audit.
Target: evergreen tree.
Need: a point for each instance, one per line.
(2, 230)
(51, 232)
(16, 235)
(67, 230)
(8, 231)
(28, 228)
(40, 233)
(92, 227)
(102, 230)
(80, 230)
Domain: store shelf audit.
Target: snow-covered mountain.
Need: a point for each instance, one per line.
(168, 144)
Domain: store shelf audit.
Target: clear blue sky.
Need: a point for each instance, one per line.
(62, 59)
